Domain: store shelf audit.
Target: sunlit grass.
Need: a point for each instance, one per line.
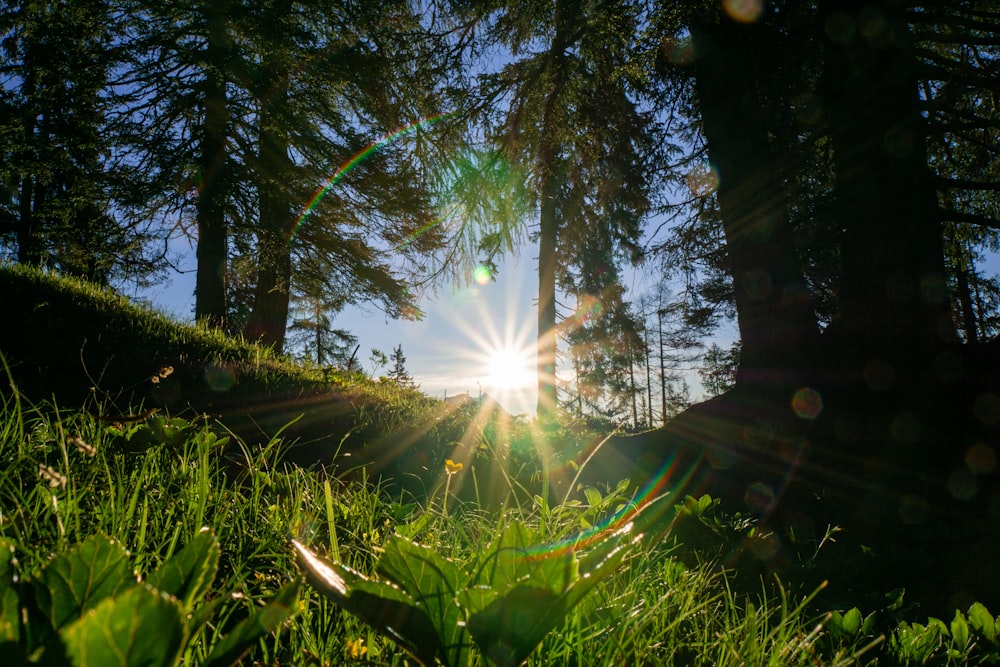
(666, 605)
(471, 471)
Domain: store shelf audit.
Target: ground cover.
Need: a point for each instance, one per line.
(228, 541)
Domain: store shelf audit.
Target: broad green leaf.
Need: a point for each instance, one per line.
(894, 599)
(75, 581)
(417, 568)
(434, 584)
(593, 496)
(959, 631)
(511, 627)
(600, 550)
(505, 564)
(476, 598)
(139, 627)
(10, 612)
(938, 625)
(983, 622)
(383, 606)
(207, 440)
(508, 629)
(555, 571)
(415, 527)
(235, 645)
(189, 573)
(596, 572)
(851, 622)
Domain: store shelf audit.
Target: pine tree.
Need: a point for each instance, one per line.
(58, 173)
(564, 111)
(398, 373)
(718, 370)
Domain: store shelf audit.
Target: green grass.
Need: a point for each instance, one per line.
(698, 588)
(666, 604)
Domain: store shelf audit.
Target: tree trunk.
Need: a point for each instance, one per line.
(649, 381)
(269, 317)
(547, 236)
(969, 324)
(30, 247)
(631, 386)
(776, 322)
(893, 293)
(663, 368)
(548, 225)
(210, 282)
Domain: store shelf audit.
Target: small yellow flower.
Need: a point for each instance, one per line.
(451, 467)
(355, 648)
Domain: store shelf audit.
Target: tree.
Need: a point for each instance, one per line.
(564, 114)
(311, 331)
(771, 297)
(602, 334)
(398, 372)
(718, 371)
(885, 190)
(181, 77)
(361, 82)
(832, 167)
(252, 113)
(57, 144)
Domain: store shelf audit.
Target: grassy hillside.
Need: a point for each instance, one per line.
(73, 345)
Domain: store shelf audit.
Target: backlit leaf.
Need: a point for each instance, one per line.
(434, 584)
(188, 574)
(75, 581)
(139, 627)
(384, 606)
(959, 631)
(983, 622)
(510, 628)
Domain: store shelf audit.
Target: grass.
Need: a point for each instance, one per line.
(695, 589)
(666, 605)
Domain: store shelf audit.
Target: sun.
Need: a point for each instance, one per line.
(509, 369)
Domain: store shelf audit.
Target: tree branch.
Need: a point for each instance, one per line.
(963, 184)
(946, 215)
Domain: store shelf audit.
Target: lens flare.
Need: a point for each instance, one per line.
(669, 484)
(703, 180)
(807, 403)
(482, 274)
(744, 11)
(356, 159)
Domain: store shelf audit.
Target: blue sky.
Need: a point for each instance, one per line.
(472, 338)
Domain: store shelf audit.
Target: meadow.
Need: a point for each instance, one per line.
(130, 535)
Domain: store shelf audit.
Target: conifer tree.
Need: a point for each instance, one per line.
(566, 111)
(398, 373)
(60, 184)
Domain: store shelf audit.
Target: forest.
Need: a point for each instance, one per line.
(821, 176)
